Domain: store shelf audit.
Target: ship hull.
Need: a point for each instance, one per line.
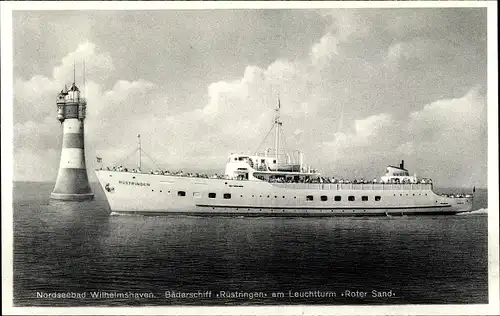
(147, 194)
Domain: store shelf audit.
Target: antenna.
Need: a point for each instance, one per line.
(74, 73)
(84, 89)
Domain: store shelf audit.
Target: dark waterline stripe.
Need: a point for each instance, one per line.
(325, 208)
(233, 214)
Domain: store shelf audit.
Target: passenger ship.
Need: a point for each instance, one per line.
(272, 185)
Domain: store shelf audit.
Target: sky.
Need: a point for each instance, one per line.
(360, 89)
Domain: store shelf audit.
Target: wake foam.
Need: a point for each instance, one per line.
(479, 211)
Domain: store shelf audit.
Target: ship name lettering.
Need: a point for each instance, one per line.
(144, 184)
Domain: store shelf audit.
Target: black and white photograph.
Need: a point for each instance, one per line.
(250, 158)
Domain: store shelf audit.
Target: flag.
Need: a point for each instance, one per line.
(99, 159)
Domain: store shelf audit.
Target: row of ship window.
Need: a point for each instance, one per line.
(323, 198)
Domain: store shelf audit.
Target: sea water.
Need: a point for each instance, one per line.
(78, 254)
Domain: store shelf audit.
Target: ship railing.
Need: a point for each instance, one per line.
(314, 186)
(164, 173)
(355, 186)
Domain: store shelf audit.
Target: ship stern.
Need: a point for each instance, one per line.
(462, 204)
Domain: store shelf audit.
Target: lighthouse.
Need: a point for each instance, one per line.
(72, 183)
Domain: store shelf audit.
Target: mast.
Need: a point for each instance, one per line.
(277, 122)
(139, 150)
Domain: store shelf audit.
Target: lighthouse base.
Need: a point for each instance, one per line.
(72, 197)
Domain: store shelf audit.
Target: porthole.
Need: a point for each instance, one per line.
(181, 193)
(324, 198)
(309, 198)
(351, 198)
(227, 196)
(211, 195)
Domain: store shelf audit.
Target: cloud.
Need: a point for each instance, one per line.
(346, 23)
(34, 99)
(323, 50)
(363, 95)
(96, 64)
(440, 138)
(449, 118)
(420, 49)
(449, 137)
(366, 131)
(38, 134)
